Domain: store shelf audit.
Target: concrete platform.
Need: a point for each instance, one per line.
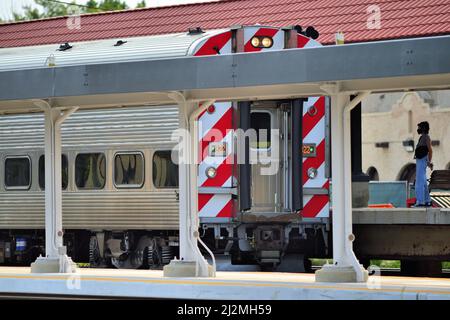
(227, 285)
(403, 216)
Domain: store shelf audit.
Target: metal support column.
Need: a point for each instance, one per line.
(345, 267)
(191, 262)
(56, 259)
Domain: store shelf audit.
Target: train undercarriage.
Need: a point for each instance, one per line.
(269, 245)
(274, 247)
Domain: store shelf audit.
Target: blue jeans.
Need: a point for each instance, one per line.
(422, 194)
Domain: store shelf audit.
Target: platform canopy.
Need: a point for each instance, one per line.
(408, 64)
(336, 71)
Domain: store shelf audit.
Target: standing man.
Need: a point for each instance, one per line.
(423, 155)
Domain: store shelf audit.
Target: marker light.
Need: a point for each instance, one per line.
(256, 42)
(267, 42)
(211, 172)
(312, 111)
(312, 173)
(211, 109)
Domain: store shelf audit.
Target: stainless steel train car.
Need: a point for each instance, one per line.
(120, 198)
(117, 176)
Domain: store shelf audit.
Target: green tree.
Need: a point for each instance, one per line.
(141, 4)
(52, 8)
(29, 14)
(105, 5)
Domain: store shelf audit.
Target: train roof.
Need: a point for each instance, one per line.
(103, 51)
(399, 19)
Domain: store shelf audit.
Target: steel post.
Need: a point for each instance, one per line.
(345, 267)
(191, 262)
(56, 259)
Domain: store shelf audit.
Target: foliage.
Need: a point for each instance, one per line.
(141, 4)
(395, 264)
(83, 265)
(51, 8)
(105, 5)
(320, 262)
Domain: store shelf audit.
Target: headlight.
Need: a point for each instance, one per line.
(261, 42)
(256, 42)
(267, 42)
(211, 172)
(312, 173)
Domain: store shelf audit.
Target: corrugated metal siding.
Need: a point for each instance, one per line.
(104, 51)
(94, 210)
(149, 126)
(399, 19)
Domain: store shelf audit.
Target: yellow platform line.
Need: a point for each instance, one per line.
(221, 283)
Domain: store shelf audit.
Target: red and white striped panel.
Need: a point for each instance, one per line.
(305, 42)
(314, 206)
(314, 132)
(219, 43)
(215, 206)
(216, 127)
(276, 34)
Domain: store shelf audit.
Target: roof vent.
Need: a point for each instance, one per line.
(197, 30)
(64, 47)
(119, 43)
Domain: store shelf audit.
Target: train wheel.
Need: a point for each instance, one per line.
(95, 259)
(153, 256)
(166, 255)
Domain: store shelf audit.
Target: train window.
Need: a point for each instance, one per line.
(260, 122)
(129, 170)
(90, 170)
(165, 172)
(64, 172)
(18, 173)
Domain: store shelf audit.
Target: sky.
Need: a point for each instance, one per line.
(8, 6)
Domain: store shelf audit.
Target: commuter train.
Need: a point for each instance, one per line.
(120, 179)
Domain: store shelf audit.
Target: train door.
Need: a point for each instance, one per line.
(265, 154)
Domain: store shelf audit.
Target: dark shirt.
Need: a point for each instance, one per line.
(423, 140)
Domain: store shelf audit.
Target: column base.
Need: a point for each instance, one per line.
(183, 269)
(53, 265)
(332, 273)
